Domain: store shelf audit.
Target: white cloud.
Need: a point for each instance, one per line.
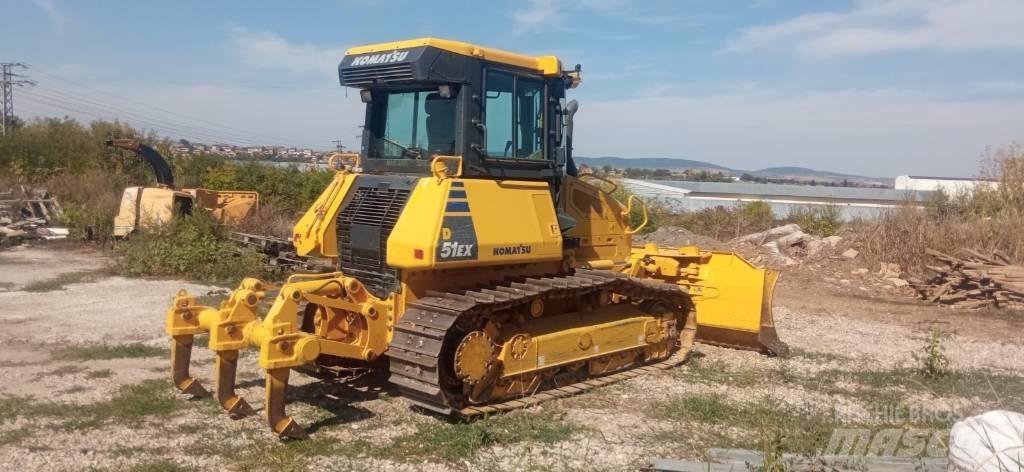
(267, 50)
(872, 132)
(879, 26)
(537, 15)
(50, 8)
(1000, 86)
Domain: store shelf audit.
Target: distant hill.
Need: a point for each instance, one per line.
(799, 172)
(647, 163)
(792, 172)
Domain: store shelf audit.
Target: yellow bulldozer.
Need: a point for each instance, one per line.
(474, 266)
(148, 207)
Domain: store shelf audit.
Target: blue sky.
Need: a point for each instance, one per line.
(875, 87)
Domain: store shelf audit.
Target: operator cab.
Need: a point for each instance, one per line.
(502, 112)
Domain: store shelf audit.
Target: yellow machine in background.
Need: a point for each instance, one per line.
(473, 264)
(147, 207)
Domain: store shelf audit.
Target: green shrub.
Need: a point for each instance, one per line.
(932, 359)
(820, 221)
(726, 223)
(194, 247)
(289, 188)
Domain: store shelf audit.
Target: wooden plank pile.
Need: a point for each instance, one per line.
(29, 215)
(976, 280)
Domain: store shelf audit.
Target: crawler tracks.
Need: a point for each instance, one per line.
(425, 334)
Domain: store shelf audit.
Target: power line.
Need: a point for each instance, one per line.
(57, 95)
(99, 110)
(208, 123)
(247, 86)
(100, 115)
(9, 80)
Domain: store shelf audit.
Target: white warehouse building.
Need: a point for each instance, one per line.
(949, 185)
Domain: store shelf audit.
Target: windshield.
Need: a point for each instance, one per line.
(416, 125)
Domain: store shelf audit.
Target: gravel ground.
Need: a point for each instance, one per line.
(614, 428)
(21, 265)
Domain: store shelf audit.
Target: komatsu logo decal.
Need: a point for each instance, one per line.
(383, 58)
(512, 250)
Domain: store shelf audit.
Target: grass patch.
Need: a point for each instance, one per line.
(60, 281)
(99, 374)
(807, 431)
(15, 437)
(711, 371)
(158, 466)
(432, 439)
(74, 389)
(95, 352)
(879, 385)
(288, 456)
(63, 370)
(796, 352)
(460, 441)
(131, 404)
(133, 451)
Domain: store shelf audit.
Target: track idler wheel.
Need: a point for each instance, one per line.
(475, 357)
(477, 365)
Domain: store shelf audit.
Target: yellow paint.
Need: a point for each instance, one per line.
(227, 206)
(316, 232)
(572, 337)
(149, 207)
(493, 206)
(601, 225)
(547, 65)
(278, 336)
(143, 208)
(731, 296)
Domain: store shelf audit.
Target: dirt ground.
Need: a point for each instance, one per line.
(86, 386)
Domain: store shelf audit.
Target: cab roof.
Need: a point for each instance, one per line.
(547, 65)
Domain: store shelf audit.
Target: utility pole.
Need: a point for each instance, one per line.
(9, 80)
(338, 145)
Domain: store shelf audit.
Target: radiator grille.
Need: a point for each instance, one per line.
(364, 226)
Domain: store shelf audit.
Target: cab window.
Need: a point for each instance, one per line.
(514, 116)
(415, 125)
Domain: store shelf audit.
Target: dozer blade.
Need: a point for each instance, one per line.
(734, 306)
